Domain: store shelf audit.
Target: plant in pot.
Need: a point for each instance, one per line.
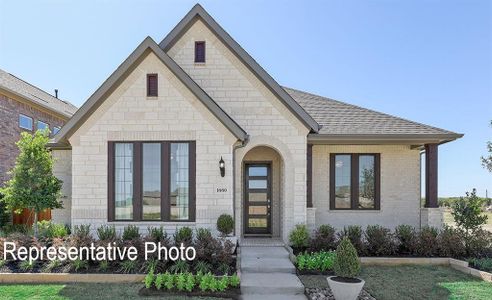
(345, 285)
(225, 225)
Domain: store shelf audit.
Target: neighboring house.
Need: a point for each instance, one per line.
(24, 107)
(193, 127)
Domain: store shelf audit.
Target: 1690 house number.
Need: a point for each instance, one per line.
(221, 190)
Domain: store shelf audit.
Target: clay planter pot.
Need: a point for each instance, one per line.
(343, 290)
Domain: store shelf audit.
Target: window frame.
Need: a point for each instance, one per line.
(45, 123)
(165, 181)
(354, 181)
(30, 118)
(204, 52)
(58, 128)
(151, 75)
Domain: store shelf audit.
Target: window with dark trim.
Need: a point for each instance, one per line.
(355, 181)
(151, 181)
(152, 85)
(200, 52)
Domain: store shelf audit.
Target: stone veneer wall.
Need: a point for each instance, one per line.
(10, 130)
(400, 187)
(128, 115)
(252, 105)
(62, 169)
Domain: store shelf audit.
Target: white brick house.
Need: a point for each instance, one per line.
(145, 147)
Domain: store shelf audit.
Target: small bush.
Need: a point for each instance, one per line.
(51, 230)
(380, 241)
(190, 282)
(130, 232)
(179, 266)
(26, 266)
(168, 280)
(346, 262)
(354, 233)
(319, 261)
(479, 244)
(183, 235)
(128, 266)
(203, 234)
(406, 239)
(484, 264)
(225, 224)
(157, 234)
(202, 267)
(159, 281)
(299, 237)
(224, 269)
(106, 233)
(234, 281)
(324, 239)
(51, 265)
(427, 242)
(149, 279)
(103, 266)
(79, 264)
(451, 242)
(82, 230)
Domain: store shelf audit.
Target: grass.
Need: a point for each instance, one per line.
(448, 219)
(415, 282)
(77, 291)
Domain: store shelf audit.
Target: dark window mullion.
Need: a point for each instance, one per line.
(111, 179)
(332, 181)
(165, 184)
(377, 181)
(192, 181)
(137, 181)
(354, 180)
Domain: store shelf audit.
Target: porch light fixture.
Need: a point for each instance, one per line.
(222, 167)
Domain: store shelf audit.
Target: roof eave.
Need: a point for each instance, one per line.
(381, 139)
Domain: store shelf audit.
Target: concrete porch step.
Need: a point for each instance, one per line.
(271, 283)
(259, 251)
(254, 264)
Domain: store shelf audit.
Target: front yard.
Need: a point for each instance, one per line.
(77, 291)
(414, 282)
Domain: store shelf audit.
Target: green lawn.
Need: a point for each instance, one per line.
(76, 291)
(415, 282)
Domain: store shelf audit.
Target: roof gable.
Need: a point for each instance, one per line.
(96, 99)
(199, 12)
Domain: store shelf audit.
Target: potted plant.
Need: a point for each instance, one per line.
(225, 225)
(345, 285)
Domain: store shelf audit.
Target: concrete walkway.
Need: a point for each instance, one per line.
(267, 273)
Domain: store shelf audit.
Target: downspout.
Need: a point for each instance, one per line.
(235, 147)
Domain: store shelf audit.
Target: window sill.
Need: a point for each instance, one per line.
(200, 63)
(152, 97)
(355, 210)
(150, 223)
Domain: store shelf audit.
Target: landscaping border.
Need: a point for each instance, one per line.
(456, 264)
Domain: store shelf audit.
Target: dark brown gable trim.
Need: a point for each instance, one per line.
(354, 181)
(309, 180)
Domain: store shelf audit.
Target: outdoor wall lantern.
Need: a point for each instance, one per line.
(222, 167)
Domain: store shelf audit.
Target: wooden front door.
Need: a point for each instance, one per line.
(258, 198)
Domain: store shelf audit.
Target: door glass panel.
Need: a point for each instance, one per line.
(257, 210)
(151, 181)
(258, 197)
(257, 171)
(257, 184)
(257, 222)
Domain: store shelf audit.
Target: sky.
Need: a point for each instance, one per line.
(428, 61)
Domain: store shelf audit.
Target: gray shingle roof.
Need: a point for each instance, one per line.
(28, 91)
(339, 118)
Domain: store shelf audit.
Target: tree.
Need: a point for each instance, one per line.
(487, 160)
(33, 185)
(467, 212)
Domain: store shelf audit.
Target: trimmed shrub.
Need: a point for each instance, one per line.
(480, 244)
(106, 233)
(318, 261)
(346, 262)
(451, 242)
(225, 224)
(427, 242)
(156, 234)
(130, 232)
(406, 239)
(183, 235)
(379, 241)
(49, 230)
(324, 239)
(299, 237)
(484, 264)
(354, 233)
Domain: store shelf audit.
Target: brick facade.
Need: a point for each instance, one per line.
(10, 130)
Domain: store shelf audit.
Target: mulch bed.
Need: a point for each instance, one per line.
(325, 294)
(229, 293)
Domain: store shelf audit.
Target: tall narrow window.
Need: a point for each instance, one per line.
(179, 181)
(354, 181)
(123, 161)
(152, 85)
(200, 52)
(151, 181)
(25, 122)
